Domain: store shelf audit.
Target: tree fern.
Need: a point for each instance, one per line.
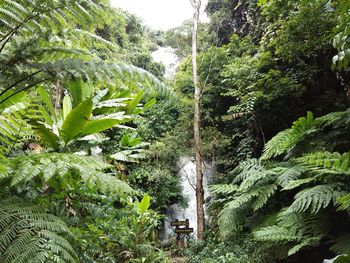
(224, 189)
(287, 139)
(295, 229)
(326, 162)
(318, 180)
(29, 235)
(316, 198)
(23, 169)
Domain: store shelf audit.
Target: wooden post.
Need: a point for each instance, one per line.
(182, 229)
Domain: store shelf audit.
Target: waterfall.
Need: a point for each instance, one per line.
(168, 57)
(187, 168)
(187, 173)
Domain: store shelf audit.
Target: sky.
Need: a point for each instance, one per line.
(159, 14)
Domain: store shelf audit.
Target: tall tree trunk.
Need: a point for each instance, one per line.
(197, 125)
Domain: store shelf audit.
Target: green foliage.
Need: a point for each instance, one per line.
(61, 171)
(317, 180)
(180, 38)
(30, 235)
(285, 140)
(341, 38)
(342, 259)
(80, 49)
(238, 250)
(14, 130)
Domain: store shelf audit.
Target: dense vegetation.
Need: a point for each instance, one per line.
(90, 135)
(276, 124)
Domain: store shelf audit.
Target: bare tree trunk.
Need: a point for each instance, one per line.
(197, 125)
(58, 95)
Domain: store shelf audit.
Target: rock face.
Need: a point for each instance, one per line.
(168, 57)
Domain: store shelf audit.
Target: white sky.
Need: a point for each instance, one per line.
(159, 14)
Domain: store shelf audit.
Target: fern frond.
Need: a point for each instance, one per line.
(55, 165)
(298, 230)
(230, 220)
(276, 234)
(14, 131)
(243, 198)
(305, 242)
(231, 213)
(287, 139)
(256, 178)
(326, 162)
(296, 183)
(223, 189)
(29, 235)
(289, 173)
(316, 198)
(264, 196)
(247, 169)
(344, 202)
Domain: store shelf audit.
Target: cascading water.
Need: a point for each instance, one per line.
(187, 173)
(167, 56)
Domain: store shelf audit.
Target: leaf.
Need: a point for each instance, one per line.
(76, 121)
(44, 95)
(132, 105)
(144, 204)
(150, 103)
(296, 183)
(45, 134)
(129, 140)
(343, 259)
(79, 90)
(96, 126)
(67, 106)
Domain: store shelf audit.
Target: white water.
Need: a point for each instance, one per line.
(168, 57)
(188, 182)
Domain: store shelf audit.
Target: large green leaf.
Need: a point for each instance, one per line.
(79, 90)
(144, 204)
(130, 140)
(96, 126)
(45, 134)
(76, 121)
(67, 106)
(132, 105)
